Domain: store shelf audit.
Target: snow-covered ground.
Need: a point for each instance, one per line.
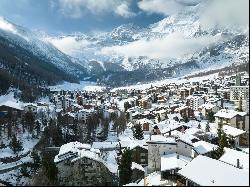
(180, 80)
(14, 176)
(9, 97)
(84, 85)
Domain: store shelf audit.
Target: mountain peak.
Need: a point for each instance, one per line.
(7, 26)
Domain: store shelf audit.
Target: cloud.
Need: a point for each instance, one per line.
(172, 46)
(4, 25)
(225, 14)
(124, 11)
(69, 45)
(166, 7)
(77, 8)
(219, 13)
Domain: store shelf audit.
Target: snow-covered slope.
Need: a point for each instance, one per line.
(174, 46)
(33, 42)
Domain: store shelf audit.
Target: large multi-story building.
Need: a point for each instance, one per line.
(195, 102)
(237, 92)
(240, 95)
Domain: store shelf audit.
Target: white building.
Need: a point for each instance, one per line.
(196, 102)
(159, 146)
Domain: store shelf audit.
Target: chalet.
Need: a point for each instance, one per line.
(69, 117)
(30, 107)
(171, 164)
(185, 111)
(203, 148)
(138, 172)
(239, 120)
(13, 109)
(139, 154)
(237, 137)
(233, 118)
(93, 170)
(207, 108)
(146, 125)
(145, 103)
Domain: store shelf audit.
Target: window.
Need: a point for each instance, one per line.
(243, 126)
(143, 160)
(185, 146)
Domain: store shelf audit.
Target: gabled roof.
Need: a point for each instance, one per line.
(173, 161)
(11, 104)
(159, 139)
(232, 131)
(229, 114)
(230, 156)
(202, 147)
(206, 171)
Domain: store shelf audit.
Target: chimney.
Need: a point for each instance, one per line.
(145, 181)
(178, 156)
(238, 163)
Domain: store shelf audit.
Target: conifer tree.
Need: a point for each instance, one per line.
(223, 142)
(15, 144)
(207, 127)
(210, 116)
(125, 171)
(30, 121)
(138, 132)
(36, 159)
(50, 168)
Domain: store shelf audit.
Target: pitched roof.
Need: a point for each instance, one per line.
(230, 156)
(206, 171)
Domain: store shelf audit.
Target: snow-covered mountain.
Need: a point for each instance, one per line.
(33, 42)
(177, 45)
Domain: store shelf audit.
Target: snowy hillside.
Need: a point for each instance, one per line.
(174, 46)
(31, 41)
(177, 45)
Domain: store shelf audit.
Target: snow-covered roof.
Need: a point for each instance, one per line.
(141, 144)
(136, 113)
(153, 179)
(30, 104)
(170, 161)
(207, 106)
(172, 116)
(105, 145)
(137, 166)
(169, 125)
(232, 131)
(229, 114)
(202, 147)
(161, 139)
(206, 171)
(73, 147)
(230, 156)
(143, 121)
(132, 184)
(186, 138)
(77, 150)
(12, 104)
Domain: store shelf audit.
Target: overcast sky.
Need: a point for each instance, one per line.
(68, 16)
